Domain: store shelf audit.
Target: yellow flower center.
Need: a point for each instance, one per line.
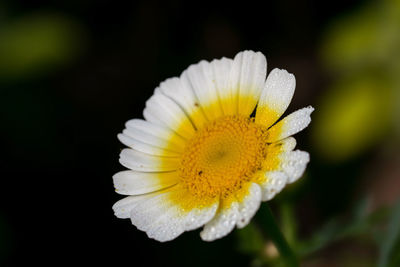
(222, 156)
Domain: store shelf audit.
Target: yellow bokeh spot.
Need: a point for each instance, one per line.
(353, 117)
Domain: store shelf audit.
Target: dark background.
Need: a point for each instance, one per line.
(60, 117)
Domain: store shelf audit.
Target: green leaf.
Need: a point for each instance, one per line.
(321, 238)
(389, 240)
(360, 223)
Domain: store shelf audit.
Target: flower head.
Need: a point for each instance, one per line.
(201, 158)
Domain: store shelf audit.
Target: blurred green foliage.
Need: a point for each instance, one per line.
(379, 228)
(37, 43)
(250, 240)
(390, 242)
(361, 52)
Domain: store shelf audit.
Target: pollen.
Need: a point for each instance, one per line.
(222, 156)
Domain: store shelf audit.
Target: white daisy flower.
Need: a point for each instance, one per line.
(200, 158)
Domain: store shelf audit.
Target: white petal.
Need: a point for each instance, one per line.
(249, 206)
(275, 97)
(145, 148)
(247, 80)
(180, 90)
(200, 76)
(274, 182)
(222, 224)
(164, 221)
(294, 164)
(136, 183)
(163, 111)
(139, 161)
(122, 208)
(221, 76)
(154, 135)
(291, 124)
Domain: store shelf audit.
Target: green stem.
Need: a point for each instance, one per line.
(276, 236)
